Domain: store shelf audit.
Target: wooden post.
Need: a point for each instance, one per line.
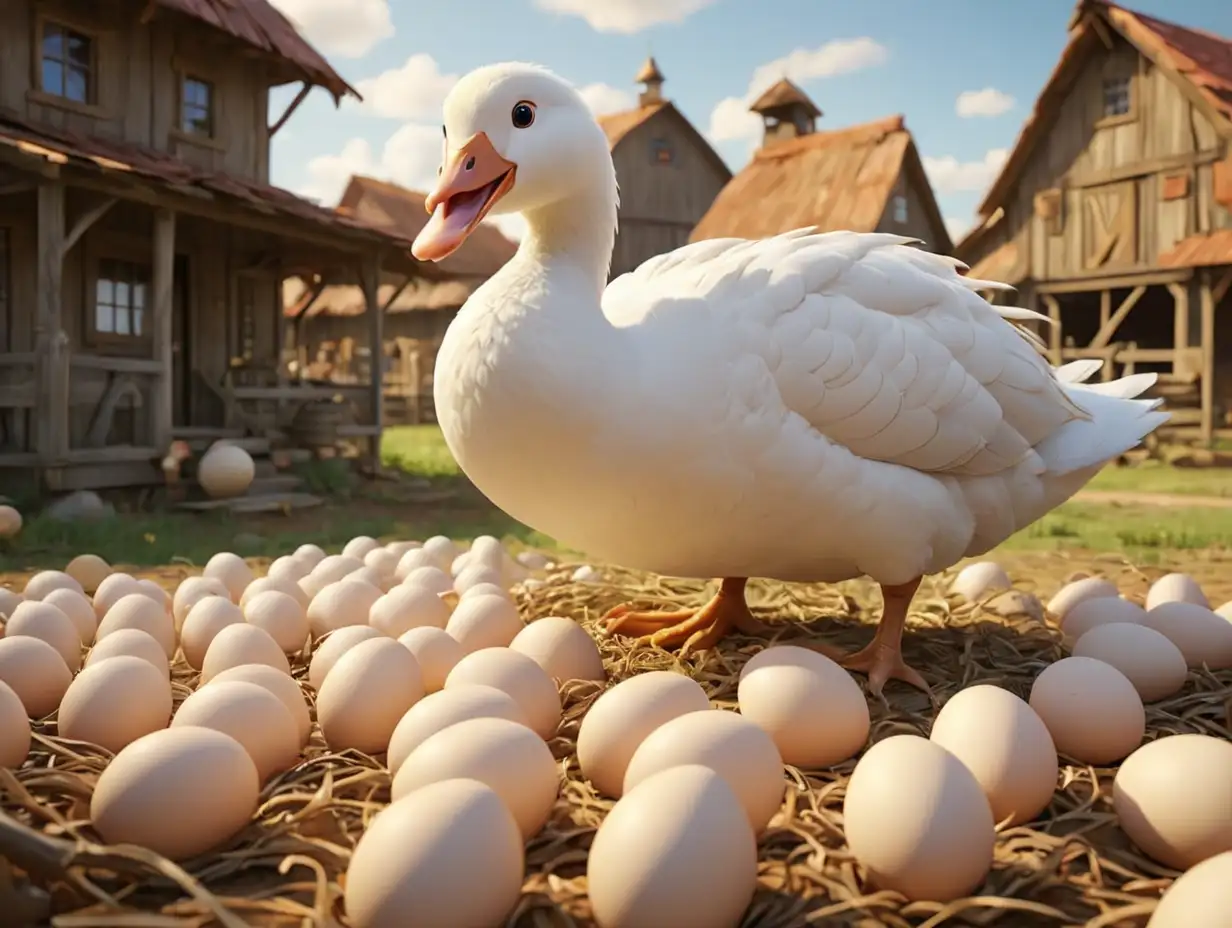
(1054, 331)
(162, 285)
(370, 280)
(1180, 328)
(51, 407)
(1207, 298)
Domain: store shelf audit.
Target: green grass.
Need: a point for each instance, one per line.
(1157, 477)
(419, 450)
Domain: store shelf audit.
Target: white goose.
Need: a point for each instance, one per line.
(804, 408)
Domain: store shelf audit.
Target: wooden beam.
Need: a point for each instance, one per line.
(290, 110)
(370, 276)
(51, 406)
(85, 220)
(1207, 384)
(406, 282)
(1221, 287)
(19, 186)
(1180, 327)
(162, 286)
(1089, 283)
(1054, 330)
(1108, 328)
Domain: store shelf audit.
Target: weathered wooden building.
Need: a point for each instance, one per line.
(1113, 213)
(667, 172)
(328, 326)
(862, 178)
(142, 247)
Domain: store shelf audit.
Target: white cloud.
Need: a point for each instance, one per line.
(987, 102)
(731, 120)
(625, 16)
(415, 90)
(949, 175)
(604, 98)
(350, 29)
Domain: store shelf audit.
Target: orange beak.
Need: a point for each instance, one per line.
(474, 178)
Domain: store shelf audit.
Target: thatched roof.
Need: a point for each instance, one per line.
(781, 95)
(836, 180)
(348, 300)
(650, 73)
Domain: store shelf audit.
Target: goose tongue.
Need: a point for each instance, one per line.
(449, 224)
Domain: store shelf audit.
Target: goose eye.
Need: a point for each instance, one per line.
(523, 114)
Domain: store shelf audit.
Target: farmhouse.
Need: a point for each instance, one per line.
(1113, 213)
(142, 246)
(861, 178)
(668, 174)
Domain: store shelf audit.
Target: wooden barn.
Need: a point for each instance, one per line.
(1113, 213)
(862, 178)
(142, 247)
(327, 325)
(667, 172)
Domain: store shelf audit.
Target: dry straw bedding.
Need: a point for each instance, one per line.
(1071, 867)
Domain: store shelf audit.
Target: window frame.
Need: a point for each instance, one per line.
(658, 146)
(119, 343)
(1115, 71)
(899, 203)
(191, 70)
(37, 93)
(211, 106)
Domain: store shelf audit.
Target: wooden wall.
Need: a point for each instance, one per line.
(139, 72)
(660, 203)
(918, 224)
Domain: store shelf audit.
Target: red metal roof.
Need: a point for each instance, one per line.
(1207, 250)
(257, 23)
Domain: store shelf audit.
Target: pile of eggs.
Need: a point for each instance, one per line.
(416, 654)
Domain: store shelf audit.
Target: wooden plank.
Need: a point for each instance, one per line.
(112, 454)
(1092, 282)
(1144, 168)
(116, 365)
(1054, 330)
(1207, 306)
(83, 223)
(370, 277)
(272, 502)
(18, 359)
(290, 110)
(1108, 329)
(1220, 289)
(51, 432)
(162, 399)
(1180, 325)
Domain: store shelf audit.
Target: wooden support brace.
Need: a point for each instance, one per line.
(1108, 329)
(1207, 384)
(1221, 287)
(406, 282)
(290, 110)
(84, 222)
(1054, 330)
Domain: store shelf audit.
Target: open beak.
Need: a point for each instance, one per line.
(474, 178)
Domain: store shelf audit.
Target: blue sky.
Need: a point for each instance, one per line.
(859, 61)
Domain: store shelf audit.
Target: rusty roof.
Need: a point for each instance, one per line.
(835, 180)
(258, 24)
(1201, 58)
(784, 93)
(1208, 250)
(618, 125)
(161, 169)
(401, 211)
(649, 73)
(1001, 264)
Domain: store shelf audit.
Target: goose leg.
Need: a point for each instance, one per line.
(689, 629)
(882, 659)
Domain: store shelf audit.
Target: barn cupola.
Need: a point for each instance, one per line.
(787, 112)
(651, 79)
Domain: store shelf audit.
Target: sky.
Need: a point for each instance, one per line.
(964, 73)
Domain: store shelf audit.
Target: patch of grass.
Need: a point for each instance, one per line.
(1158, 477)
(418, 450)
(1145, 532)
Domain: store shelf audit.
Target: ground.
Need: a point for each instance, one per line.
(1070, 867)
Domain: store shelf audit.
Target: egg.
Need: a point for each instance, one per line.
(486, 589)
(114, 702)
(1202, 895)
(1176, 588)
(310, 553)
(280, 685)
(676, 850)
(436, 653)
(287, 569)
(8, 601)
(35, 671)
(341, 603)
(111, 590)
(622, 718)
(400, 548)
(812, 708)
(231, 571)
(448, 707)
(78, 609)
(277, 585)
(564, 649)
(47, 623)
(1201, 635)
(153, 590)
(240, 644)
(45, 581)
(1005, 745)
(407, 607)
(204, 775)
(1092, 711)
(729, 744)
(136, 610)
(586, 574)
(1153, 664)
(384, 562)
(411, 561)
(474, 575)
(1173, 798)
(532, 560)
(517, 675)
(370, 576)
(89, 570)
(497, 752)
(420, 854)
(209, 616)
(334, 567)
(366, 693)
(360, 546)
(190, 591)
(15, 733)
(978, 581)
(440, 549)
(1079, 591)
(430, 578)
(918, 821)
(281, 616)
(1096, 611)
(333, 646)
(484, 622)
(459, 563)
(132, 642)
(250, 714)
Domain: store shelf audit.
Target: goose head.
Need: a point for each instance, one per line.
(517, 139)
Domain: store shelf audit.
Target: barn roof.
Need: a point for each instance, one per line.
(784, 93)
(617, 126)
(1201, 59)
(836, 180)
(258, 24)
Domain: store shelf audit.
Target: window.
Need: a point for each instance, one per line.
(197, 107)
(661, 151)
(67, 63)
(120, 298)
(899, 206)
(1116, 96)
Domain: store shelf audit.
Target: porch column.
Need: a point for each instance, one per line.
(161, 325)
(1206, 296)
(51, 342)
(370, 280)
